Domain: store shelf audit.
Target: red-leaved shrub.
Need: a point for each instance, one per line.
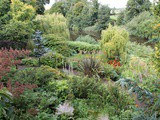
(10, 58)
(17, 89)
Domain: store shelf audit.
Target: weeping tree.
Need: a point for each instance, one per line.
(113, 43)
(53, 24)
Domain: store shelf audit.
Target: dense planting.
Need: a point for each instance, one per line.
(77, 60)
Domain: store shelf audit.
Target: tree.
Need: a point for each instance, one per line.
(94, 14)
(58, 7)
(4, 14)
(142, 25)
(156, 8)
(20, 27)
(121, 18)
(53, 24)
(113, 43)
(39, 47)
(37, 4)
(135, 7)
(103, 18)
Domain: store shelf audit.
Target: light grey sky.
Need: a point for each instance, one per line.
(110, 3)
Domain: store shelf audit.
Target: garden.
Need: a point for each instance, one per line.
(79, 60)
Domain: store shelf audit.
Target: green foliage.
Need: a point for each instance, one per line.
(82, 14)
(157, 58)
(82, 46)
(21, 11)
(33, 62)
(83, 87)
(30, 45)
(35, 76)
(142, 25)
(118, 98)
(156, 8)
(87, 39)
(53, 24)
(108, 72)
(135, 50)
(92, 31)
(90, 66)
(58, 44)
(37, 4)
(58, 7)
(135, 7)
(145, 100)
(52, 59)
(4, 15)
(113, 42)
(10, 31)
(103, 18)
(94, 15)
(140, 67)
(121, 18)
(6, 108)
(20, 27)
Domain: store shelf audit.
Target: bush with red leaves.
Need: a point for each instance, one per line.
(10, 58)
(17, 89)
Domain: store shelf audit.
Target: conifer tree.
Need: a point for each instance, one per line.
(39, 49)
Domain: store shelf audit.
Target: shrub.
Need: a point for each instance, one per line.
(58, 44)
(83, 87)
(113, 43)
(135, 49)
(82, 46)
(90, 66)
(33, 62)
(118, 98)
(87, 39)
(92, 31)
(9, 59)
(109, 72)
(6, 100)
(157, 58)
(40, 76)
(53, 59)
(142, 26)
(146, 101)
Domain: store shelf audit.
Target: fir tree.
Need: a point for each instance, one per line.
(39, 49)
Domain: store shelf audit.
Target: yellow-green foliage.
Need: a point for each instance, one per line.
(54, 24)
(157, 58)
(114, 42)
(21, 11)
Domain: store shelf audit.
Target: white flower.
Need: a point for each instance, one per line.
(65, 109)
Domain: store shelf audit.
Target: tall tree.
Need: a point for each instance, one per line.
(20, 27)
(135, 7)
(103, 17)
(37, 4)
(94, 14)
(4, 14)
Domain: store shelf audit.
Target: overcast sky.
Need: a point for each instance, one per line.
(111, 3)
